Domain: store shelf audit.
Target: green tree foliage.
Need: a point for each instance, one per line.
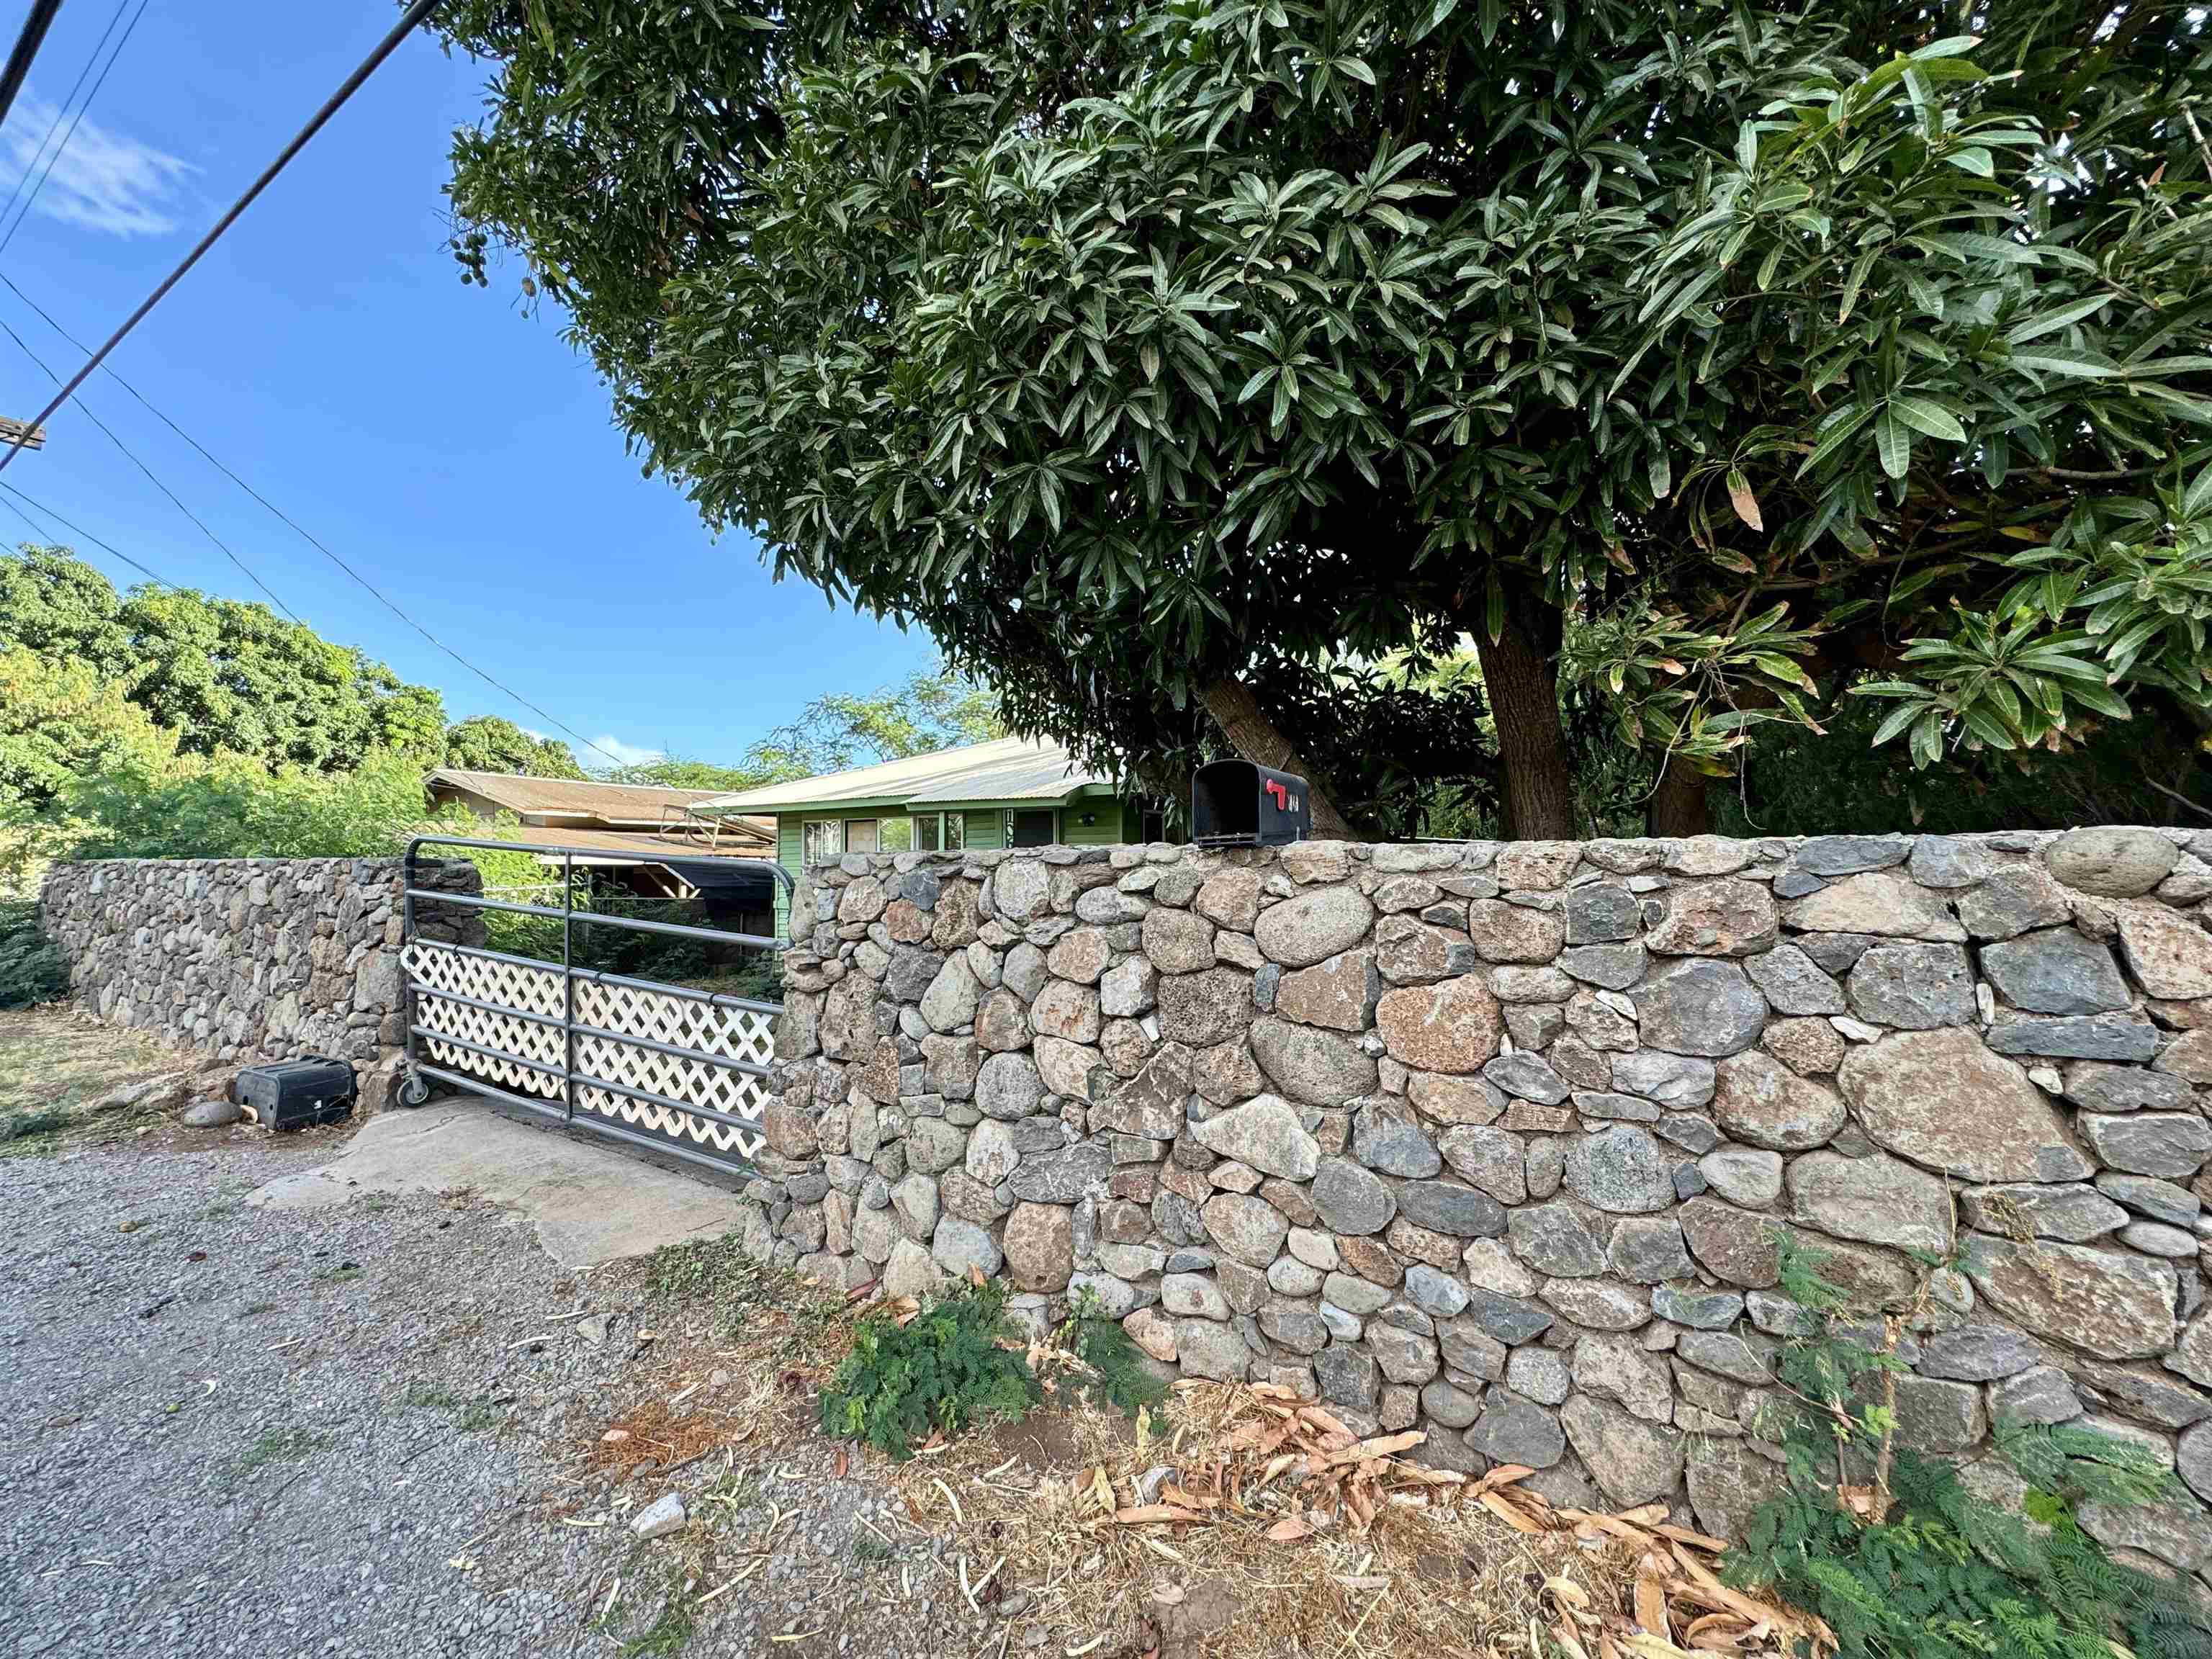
(488, 743)
(233, 806)
(227, 677)
(1160, 357)
(32, 969)
(936, 709)
(60, 719)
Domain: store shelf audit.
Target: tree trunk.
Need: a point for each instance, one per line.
(1524, 688)
(1678, 805)
(1255, 737)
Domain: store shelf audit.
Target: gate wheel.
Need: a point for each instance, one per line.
(414, 1090)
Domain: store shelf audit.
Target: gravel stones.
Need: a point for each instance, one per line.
(2054, 971)
(1452, 1026)
(1942, 1099)
(1700, 1007)
(1621, 1169)
(1313, 926)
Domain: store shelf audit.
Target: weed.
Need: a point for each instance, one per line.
(866, 1547)
(1115, 1363)
(278, 1446)
(255, 1310)
(939, 1371)
(717, 1273)
(481, 1417)
(31, 1132)
(1894, 1552)
(430, 1396)
(737, 1491)
(343, 1272)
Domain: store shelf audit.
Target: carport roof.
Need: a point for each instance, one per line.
(1006, 770)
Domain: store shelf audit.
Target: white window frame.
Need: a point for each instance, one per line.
(809, 855)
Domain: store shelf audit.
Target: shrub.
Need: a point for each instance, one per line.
(944, 1369)
(1115, 1363)
(32, 969)
(1902, 1560)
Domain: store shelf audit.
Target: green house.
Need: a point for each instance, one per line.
(1015, 792)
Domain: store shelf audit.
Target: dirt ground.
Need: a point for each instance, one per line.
(397, 1425)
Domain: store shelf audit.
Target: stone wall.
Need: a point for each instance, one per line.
(1497, 1139)
(249, 959)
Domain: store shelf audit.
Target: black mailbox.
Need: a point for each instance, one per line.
(1234, 803)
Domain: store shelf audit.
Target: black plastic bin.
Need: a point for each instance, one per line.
(297, 1094)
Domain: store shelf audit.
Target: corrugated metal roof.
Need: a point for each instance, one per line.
(740, 840)
(517, 793)
(1009, 768)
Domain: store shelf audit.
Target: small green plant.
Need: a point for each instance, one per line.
(19, 1129)
(478, 1417)
(278, 1446)
(717, 1274)
(671, 1629)
(32, 967)
(944, 1369)
(1115, 1363)
(866, 1547)
(1899, 1558)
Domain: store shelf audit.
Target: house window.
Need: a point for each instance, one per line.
(860, 835)
(1154, 825)
(1029, 829)
(894, 835)
(820, 840)
(939, 831)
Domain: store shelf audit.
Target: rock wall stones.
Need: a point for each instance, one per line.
(250, 959)
(1497, 1139)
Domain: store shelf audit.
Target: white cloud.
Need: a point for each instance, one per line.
(104, 180)
(630, 754)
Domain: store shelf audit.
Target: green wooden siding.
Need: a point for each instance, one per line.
(985, 831)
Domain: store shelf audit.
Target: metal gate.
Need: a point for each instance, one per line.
(667, 1069)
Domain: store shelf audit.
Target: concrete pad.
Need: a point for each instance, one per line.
(589, 1204)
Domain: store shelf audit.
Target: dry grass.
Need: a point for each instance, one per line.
(51, 1058)
(1283, 1549)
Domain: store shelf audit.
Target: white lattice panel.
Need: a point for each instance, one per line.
(439, 972)
(683, 1021)
(433, 969)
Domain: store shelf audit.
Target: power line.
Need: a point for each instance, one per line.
(130, 455)
(297, 528)
(110, 551)
(413, 15)
(26, 47)
(62, 108)
(81, 109)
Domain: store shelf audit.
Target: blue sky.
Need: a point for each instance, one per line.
(454, 449)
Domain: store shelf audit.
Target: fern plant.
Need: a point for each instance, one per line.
(943, 1369)
(1902, 1561)
(1114, 1365)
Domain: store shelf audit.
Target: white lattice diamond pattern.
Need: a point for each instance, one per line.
(435, 969)
(683, 1022)
(439, 972)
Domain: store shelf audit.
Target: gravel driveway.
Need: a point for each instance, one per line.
(370, 1431)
